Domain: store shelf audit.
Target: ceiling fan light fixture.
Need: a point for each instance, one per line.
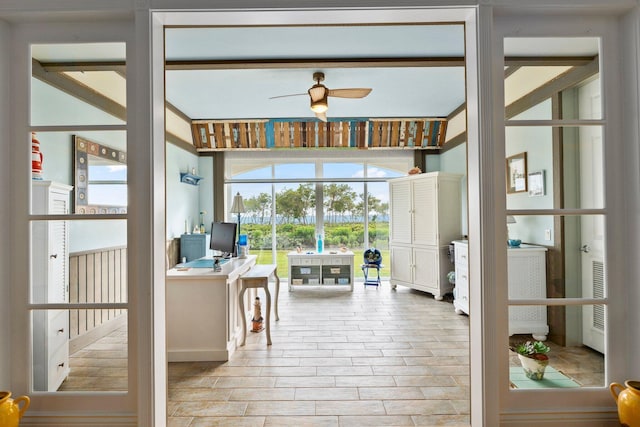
(318, 94)
(320, 106)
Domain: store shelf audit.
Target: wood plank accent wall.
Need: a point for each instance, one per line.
(410, 133)
(96, 276)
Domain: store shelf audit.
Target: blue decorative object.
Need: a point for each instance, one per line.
(189, 178)
(514, 243)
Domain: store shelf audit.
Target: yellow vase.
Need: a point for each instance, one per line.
(10, 411)
(628, 401)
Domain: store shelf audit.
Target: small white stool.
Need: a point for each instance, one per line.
(258, 277)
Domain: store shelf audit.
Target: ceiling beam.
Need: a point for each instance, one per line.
(275, 63)
(206, 64)
(81, 91)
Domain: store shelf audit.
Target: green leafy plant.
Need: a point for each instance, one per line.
(533, 349)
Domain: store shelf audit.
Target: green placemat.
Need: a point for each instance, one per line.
(201, 263)
(552, 379)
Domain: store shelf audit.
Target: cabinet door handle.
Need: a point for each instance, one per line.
(585, 249)
(61, 365)
(60, 331)
(53, 256)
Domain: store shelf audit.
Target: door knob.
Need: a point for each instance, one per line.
(585, 249)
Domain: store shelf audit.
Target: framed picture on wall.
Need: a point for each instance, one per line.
(517, 173)
(536, 183)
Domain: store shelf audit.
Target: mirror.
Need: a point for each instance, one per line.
(100, 175)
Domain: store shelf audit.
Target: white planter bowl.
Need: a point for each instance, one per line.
(533, 368)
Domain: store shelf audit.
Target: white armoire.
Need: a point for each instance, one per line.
(425, 218)
(49, 284)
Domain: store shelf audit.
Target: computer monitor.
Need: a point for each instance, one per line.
(223, 238)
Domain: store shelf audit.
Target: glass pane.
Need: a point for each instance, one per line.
(80, 350)
(78, 261)
(544, 68)
(378, 224)
(566, 254)
(576, 349)
(256, 222)
(389, 168)
(295, 219)
(85, 97)
(343, 208)
(93, 164)
(295, 170)
(554, 168)
(342, 170)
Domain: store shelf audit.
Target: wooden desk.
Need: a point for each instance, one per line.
(258, 277)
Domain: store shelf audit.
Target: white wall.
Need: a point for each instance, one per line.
(183, 200)
(537, 142)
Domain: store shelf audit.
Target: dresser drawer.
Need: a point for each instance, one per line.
(58, 367)
(309, 261)
(462, 278)
(462, 255)
(58, 330)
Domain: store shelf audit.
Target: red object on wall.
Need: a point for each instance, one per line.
(36, 158)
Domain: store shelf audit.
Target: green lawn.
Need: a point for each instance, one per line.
(264, 257)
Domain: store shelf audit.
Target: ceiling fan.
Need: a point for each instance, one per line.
(318, 94)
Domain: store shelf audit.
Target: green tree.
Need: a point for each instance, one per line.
(258, 207)
(338, 200)
(295, 205)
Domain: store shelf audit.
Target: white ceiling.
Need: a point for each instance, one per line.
(245, 93)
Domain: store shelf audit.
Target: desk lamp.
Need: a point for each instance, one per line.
(238, 208)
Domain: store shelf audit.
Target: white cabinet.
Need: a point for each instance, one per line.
(528, 280)
(50, 284)
(321, 269)
(425, 218)
(526, 267)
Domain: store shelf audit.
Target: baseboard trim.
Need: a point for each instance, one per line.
(198, 355)
(70, 420)
(602, 418)
(89, 337)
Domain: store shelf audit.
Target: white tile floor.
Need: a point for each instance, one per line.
(371, 357)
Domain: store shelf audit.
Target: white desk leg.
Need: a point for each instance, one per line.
(275, 273)
(268, 318)
(243, 315)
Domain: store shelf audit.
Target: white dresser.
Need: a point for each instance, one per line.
(527, 279)
(461, 290)
(50, 284)
(425, 218)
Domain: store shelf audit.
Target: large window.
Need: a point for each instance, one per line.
(290, 202)
(554, 150)
(78, 292)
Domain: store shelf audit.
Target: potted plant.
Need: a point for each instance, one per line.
(533, 358)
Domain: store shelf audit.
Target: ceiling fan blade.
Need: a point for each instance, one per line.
(285, 96)
(322, 116)
(354, 92)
